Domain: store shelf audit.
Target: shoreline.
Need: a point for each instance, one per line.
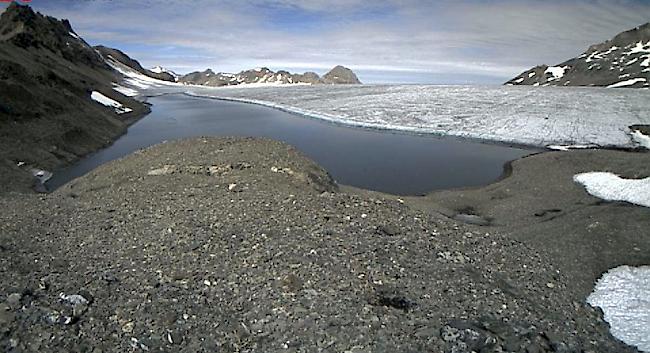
(381, 132)
(535, 149)
(40, 186)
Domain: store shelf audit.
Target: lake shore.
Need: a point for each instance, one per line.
(241, 244)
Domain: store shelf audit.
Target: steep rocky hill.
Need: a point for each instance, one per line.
(623, 61)
(340, 75)
(57, 96)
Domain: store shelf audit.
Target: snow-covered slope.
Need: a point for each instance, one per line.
(161, 70)
(623, 61)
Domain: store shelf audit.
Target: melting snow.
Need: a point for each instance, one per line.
(623, 293)
(102, 99)
(611, 187)
(645, 62)
(556, 71)
(125, 90)
(627, 82)
(641, 139)
(639, 47)
(569, 147)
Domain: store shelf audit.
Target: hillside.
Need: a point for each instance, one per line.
(121, 57)
(623, 61)
(58, 99)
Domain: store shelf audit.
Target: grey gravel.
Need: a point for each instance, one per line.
(177, 262)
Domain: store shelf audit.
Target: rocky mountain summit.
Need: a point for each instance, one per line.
(623, 61)
(340, 75)
(115, 55)
(160, 70)
(58, 101)
(263, 75)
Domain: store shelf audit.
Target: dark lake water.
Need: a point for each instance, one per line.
(403, 164)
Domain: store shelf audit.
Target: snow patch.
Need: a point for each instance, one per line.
(74, 35)
(102, 99)
(611, 187)
(623, 293)
(556, 71)
(129, 92)
(519, 80)
(641, 139)
(646, 61)
(639, 47)
(627, 82)
(569, 147)
(531, 74)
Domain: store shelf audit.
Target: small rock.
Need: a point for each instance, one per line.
(79, 310)
(387, 229)
(174, 337)
(128, 327)
(292, 283)
(74, 299)
(14, 299)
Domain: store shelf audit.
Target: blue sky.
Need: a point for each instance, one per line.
(384, 41)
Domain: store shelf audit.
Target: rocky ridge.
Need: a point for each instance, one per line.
(623, 61)
(338, 75)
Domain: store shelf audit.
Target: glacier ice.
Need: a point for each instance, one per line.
(521, 114)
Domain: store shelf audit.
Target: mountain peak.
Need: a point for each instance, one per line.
(21, 26)
(341, 75)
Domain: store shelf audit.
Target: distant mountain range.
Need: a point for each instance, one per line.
(623, 61)
(338, 75)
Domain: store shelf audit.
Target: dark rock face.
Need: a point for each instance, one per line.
(340, 75)
(623, 61)
(111, 54)
(26, 29)
(47, 116)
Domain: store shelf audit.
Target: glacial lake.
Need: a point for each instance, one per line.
(396, 163)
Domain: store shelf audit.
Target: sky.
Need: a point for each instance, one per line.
(383, 41)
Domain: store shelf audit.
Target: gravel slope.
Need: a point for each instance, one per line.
(244, 245)
(540, 205)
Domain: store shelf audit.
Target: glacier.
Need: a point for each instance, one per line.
(535, 116)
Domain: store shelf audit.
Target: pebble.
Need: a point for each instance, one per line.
(14, 299)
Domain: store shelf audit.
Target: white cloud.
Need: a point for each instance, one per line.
(493, 38)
